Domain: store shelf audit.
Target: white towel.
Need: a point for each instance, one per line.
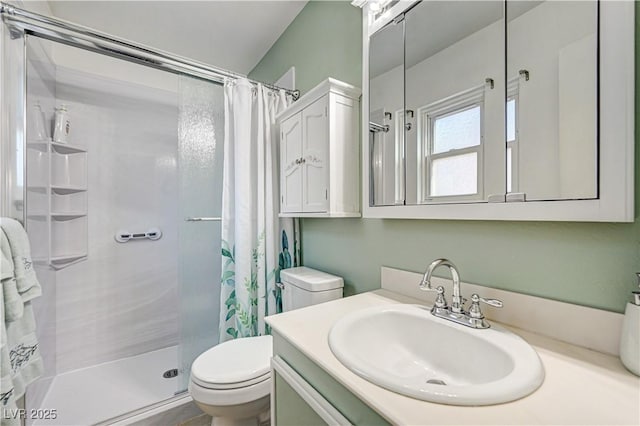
(26, 280)
(13, 305)
(20, 361)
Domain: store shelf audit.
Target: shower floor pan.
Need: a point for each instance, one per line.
(94, 394)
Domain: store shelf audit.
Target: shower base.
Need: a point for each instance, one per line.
(95, 394)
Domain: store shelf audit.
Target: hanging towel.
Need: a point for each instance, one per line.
(26, 280)
(20, 360)
(13, 305)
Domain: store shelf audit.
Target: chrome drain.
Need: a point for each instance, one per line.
(436, 382)
(170, 373)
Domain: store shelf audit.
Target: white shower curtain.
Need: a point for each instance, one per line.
(252, 233)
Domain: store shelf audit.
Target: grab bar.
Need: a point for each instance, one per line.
(203, 219)
(151, 234)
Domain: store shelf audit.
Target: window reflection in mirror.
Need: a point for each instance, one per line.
(462, 130)
(386, 115)
(551, 119)
(454, 94)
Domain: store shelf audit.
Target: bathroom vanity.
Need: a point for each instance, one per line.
(581, 386)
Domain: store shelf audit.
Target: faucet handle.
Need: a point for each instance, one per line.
(440, 301)
(474, 310)
(491, 302)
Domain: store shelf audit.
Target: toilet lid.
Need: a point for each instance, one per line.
(236, 363)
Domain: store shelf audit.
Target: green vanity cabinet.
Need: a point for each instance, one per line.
(304, 394)
(290, 408)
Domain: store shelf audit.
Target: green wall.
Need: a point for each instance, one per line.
(590, 264)
(325, 40)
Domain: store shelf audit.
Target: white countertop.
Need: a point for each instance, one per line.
(581, 386)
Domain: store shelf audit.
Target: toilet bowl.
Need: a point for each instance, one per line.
(231, 381)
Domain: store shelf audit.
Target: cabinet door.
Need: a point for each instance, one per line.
(315, 147)
(295, 402)
(290, 164)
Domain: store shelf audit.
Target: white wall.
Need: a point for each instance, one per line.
(122, 300)
(552, 167)
(104, 66)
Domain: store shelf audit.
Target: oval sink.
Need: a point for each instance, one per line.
(405, 349)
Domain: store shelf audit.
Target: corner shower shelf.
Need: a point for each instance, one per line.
(62, 261)
(66, 148)
(57, 202)
(65, 190)
(67, 215)
(60, 148)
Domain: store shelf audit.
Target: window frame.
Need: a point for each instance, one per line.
(513, 93)
(428, 115)
(399, 167)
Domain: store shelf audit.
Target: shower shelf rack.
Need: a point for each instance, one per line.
(58, 188)
(60, 148)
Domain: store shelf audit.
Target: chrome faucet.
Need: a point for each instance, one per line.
(456, 301)
(456, 313)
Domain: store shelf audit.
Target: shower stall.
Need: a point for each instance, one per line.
(123, 216)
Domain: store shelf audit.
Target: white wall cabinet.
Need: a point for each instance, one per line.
(319, 153)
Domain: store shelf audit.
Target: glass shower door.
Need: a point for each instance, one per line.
(200, 149)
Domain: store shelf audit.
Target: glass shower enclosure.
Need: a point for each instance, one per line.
(123, 219)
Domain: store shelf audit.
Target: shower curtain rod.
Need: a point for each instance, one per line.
(86, 38)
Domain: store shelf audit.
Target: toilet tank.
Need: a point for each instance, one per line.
(304, 286)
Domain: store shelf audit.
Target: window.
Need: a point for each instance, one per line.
(399, 157)
(451, 136)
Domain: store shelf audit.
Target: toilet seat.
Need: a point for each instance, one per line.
(226, 386)
(234, 364)
(227, 397)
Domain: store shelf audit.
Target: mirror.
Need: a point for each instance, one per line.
(552, 116)
(448, 125)
(386, 118)
(454, 67)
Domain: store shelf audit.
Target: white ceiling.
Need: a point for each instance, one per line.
(233, 35)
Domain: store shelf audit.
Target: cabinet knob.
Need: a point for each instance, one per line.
(297, 161)
(303, 160)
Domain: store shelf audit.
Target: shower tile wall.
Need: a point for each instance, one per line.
(122, 300)
(41, 89)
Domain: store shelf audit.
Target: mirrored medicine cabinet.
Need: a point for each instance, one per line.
(499, 110)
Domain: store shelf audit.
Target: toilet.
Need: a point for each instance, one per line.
(231, 381)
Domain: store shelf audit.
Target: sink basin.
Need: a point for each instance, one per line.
(405, 349)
